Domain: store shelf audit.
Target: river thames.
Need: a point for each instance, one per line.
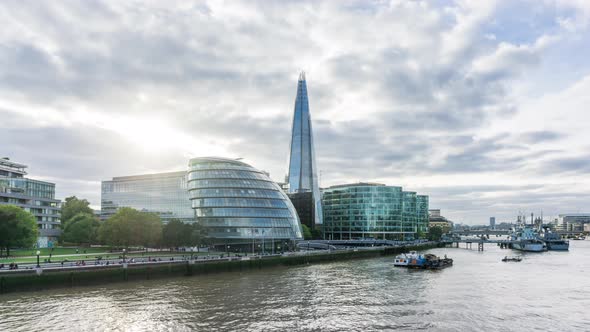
(545, 292)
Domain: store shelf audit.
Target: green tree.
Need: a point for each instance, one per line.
(175, 233)
(81, 228)
(316, 234)
(18, 228)
(306, 232)
(198, 235)
(129, 227)
(435, 233)
(72, 207)
(420, 234)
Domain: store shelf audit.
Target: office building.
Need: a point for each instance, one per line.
(373, 210)
(163, 193)
(302, 177)
(493, 222)
(240, 205)
(435, 219)
(34, 196)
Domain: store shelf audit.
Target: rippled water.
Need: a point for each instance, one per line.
(544, 292)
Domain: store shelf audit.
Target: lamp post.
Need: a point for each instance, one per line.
(38, 253)
(228, 250)
(124, 250)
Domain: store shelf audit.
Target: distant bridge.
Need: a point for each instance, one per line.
(497, 232)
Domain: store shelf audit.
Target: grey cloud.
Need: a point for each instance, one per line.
(208, 74)
(541, 136)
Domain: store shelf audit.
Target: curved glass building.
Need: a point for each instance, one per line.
(239, 203)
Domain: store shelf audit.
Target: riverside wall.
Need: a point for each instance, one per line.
(60, 278)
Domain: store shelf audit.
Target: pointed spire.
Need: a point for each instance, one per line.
(302, 76)
(302, 173)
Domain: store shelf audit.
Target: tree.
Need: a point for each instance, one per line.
(129, 227)
(72, 207)
(316, 234)
(420, 234)
(18, 228)
(175, 233)
(306, 232)
(435, 233)
(81, 228)
(198, 235)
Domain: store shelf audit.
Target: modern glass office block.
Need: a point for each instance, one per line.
(240, 204)
(374, 211)
(422, 213)
(164, 194)
(362, 210)
(34, 196)
(409, 217)
(302, 176)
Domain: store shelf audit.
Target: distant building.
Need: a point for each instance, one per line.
(434, 213)
(373, 210)
(34, 196)
(163, 193)
(492, 222)
(435, 219)
(304, 204)
(573, 222)
(581, 218)
(302, 177)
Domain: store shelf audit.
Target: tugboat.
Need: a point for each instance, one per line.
(555, 242)
(526, 239)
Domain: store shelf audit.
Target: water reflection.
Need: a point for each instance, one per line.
(547, 291)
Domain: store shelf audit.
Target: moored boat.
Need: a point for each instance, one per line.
(555, 242)
(526, 239)
(404, 259)
(511, 259)
(427, 261)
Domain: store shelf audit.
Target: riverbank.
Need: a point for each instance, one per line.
(33, 280)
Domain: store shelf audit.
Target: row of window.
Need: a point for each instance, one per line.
(254, 184)
(239, 202)
(235, 192)
(246, 222)
(227, 174)
(243, 212)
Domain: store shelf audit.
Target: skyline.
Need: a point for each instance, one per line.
(478, 105)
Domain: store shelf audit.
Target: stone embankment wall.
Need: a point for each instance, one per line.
(30, 281)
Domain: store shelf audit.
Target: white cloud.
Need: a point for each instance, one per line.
(415, 94)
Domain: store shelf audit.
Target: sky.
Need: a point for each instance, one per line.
(482, 105)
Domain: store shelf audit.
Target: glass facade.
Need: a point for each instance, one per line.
(422, 213)
(239, 203)
(302, 176)
(164, 194)
(34, 196)
(368, 210)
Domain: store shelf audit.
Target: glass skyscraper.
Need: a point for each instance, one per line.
(239, 204)
(163, 193)
(34, 196)
(302, 176)
(372, 210)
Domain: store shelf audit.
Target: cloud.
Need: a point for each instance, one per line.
(404, 92)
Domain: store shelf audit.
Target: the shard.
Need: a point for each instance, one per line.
(302, 177)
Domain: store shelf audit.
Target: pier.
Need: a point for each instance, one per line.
(480, 243)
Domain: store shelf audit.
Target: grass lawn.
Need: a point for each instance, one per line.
(104, 253)
(56, 251)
